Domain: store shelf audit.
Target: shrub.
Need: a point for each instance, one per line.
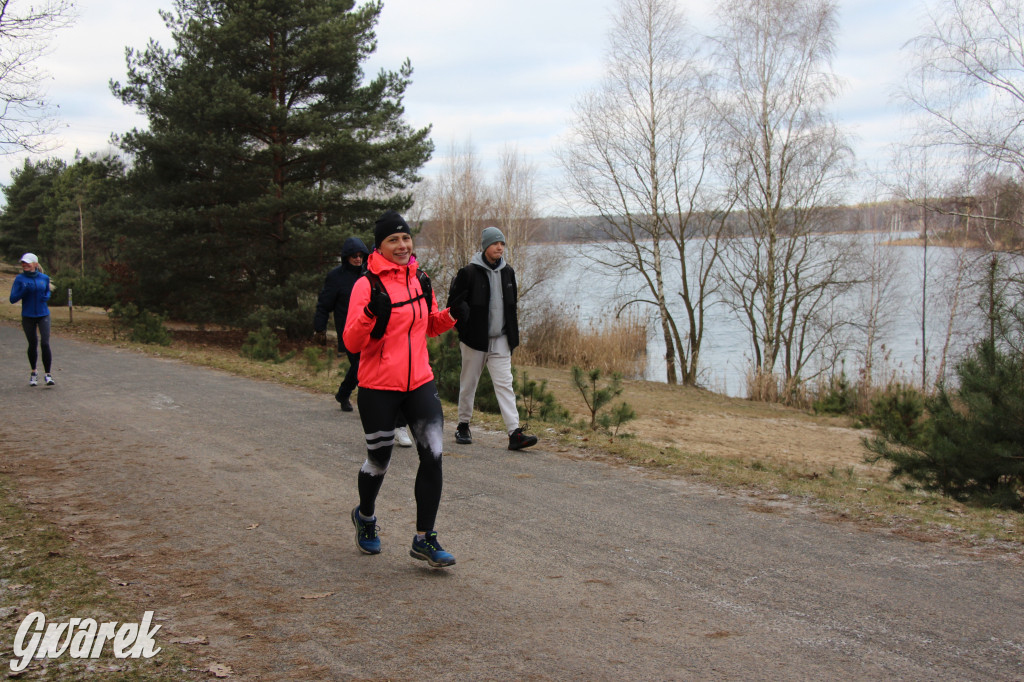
(838, 398)
(262, 345)
(597, 397)
(91, 290)
(618, 416)
(446, 363)
(318, 359)
(538, 402)
(898, 414)
(142, 326)
(971, 446)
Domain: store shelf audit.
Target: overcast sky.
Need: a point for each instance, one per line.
(493, 73)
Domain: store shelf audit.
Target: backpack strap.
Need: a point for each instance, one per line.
(381, 323)
(428, 291)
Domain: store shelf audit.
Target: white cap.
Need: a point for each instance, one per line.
(29, 258)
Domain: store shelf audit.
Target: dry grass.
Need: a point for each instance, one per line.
(41, 571)
(556, 340)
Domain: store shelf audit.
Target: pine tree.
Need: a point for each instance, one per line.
(971, 446)
(265, 148)
(978, 433)
(26, 207)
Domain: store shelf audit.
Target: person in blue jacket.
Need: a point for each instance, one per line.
(32, 288)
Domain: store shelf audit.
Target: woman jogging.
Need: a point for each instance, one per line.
(32, 288)
(391, 313)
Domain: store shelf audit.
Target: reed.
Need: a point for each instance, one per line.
(555, 339)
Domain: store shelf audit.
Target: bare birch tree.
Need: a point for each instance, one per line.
(26, 29)
(967, 78)
(460, 204)
(463, 200)
(640, 157)
(966, 83)
(790, 163)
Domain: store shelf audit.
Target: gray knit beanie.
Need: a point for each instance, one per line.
(490, 235)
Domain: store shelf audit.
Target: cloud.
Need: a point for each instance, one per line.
(497, 73)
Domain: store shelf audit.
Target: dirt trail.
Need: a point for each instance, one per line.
(223, 505)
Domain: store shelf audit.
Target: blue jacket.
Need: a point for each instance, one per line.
(33, 290)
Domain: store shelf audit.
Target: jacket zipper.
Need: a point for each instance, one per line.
(408, 333)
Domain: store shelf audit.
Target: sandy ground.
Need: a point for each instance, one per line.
(222, 504)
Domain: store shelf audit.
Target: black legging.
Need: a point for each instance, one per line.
(422, 409)
(348, 384)
(29, 325)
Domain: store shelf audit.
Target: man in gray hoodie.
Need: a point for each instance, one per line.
(488, 334)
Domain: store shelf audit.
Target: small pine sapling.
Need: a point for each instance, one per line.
(538, 402)
(596, 397)
(618, 416)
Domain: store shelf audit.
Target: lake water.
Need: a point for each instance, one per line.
(726, 354)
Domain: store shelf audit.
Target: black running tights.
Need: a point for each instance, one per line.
(30, 324)
(422, 409)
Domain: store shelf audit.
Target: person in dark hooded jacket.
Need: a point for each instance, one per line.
(334, 298)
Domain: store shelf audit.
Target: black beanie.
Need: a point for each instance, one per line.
(387, 225)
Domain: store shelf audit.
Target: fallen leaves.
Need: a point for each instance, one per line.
(220, 670)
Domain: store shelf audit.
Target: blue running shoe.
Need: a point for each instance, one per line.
(429, 550)
(366, 533)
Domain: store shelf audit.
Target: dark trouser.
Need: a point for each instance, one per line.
(348, 384)
(29, 325)
(377, 411)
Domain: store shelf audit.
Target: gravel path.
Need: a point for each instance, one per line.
(223, 504)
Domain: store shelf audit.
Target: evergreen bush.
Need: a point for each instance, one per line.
(597, 397)
(142, 326)
(318, 359)
(971, 445)
(538, 402)
(898, 414)
(90, 290)
(839, 398)
(262, 345)
(612, 422)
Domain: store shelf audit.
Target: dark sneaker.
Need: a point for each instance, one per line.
(49, 380)
(366, 533)
(346, 404)
(462, 434)
(519, 440)
(428, 549)
(33, 380)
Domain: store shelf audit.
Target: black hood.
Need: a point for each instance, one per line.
(352, 246)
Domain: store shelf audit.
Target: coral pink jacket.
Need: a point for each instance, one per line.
(398, 361)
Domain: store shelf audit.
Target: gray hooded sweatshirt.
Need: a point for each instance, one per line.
(496, 309)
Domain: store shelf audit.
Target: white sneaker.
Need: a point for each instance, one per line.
(33, 380)
(402, 436)
(49, 380)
